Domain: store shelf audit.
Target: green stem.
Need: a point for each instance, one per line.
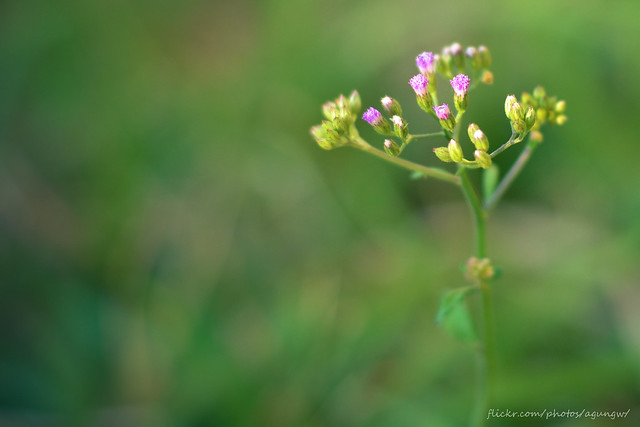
(426, 171)
(508, 179)
(425, 135)
(485, 351)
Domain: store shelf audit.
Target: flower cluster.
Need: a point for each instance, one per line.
(338, 130)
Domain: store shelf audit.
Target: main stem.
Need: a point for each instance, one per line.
(485, 350)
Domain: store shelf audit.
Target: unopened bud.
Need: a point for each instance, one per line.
(527, 99)
(458, 55)
(536, 136)
(391, 106)
(472, 129)
(474, 59)
(480, 140)
(400, 127)
(443, 154)
(530, 117)
(375, 119)
(455, 151)
(485, 56)
(508, 103)
(330, 110)
(560, 106)
(519, 126)
(355, 104)
(483, 159)
(539, 93)
(516, 112)
(447, 121)
(560, 120)
(487, 77)
(391, 147)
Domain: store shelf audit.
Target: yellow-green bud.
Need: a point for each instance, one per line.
(485, 56)
(541, 115)
(508, 103)
(539, 93)
(487, 77)
(473, 57)
(455, 151)
(458, 55)
(560, 120)
(530, 117)
(472, 129)
(516, 112)
(355, 104)
(330, 110)
(443, 154)
(536, 136)
(483, 159)
(519, 126)
(391, 147)
(400, 127)
(527, 99)
(560, 106)
(480, 140)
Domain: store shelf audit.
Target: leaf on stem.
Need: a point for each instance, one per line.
(454, 317)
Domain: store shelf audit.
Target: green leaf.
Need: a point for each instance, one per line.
(453, 315)
(490, 181)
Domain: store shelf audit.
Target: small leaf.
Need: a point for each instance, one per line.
(454, 316)
(490, 181)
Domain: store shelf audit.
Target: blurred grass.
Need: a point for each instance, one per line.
(175, 250)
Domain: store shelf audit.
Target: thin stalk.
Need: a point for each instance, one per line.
(485, 351)
(426, 171)
(508, 179)
(425, 135)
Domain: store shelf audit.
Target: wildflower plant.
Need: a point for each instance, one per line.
(464, 70)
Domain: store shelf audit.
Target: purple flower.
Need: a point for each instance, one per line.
(455, 49)
(460, 84)
(387, 102)
(425, 62)
(442, 111)
(372, 116)
(419, 84)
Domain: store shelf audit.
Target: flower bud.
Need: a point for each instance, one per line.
(330, 110)
(320, 136)
(562, 119)
(473, 57)
(426, 63)
(460, 85)
(458, 55)
(443, 154)
(355, 104)
(444, 63)
(391, 106)
(480, 140)
(485, 56)
(483, 159)
(391, 147)
(375, 119)
(420, 85)
(400, 127)
(487, 77)
(527, 99)
(447, 121)
(536, 136)
(511, 99)
(455, 151)
(539, 93)
(516, 112)
(472, 129)
(342, 102)
(560, 106)
(519, 126)
(530, 117)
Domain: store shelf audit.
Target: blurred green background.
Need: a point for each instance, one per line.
(175, 250)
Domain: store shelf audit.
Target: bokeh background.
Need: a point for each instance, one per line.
(175, 250)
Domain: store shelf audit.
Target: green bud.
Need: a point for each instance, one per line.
(485, 56)
(425, 102)
(458, 55)
(391, 147)
(444, 62)
(508, 103)
(560, 106)
(472, 129)
(562, 119)
(455, 151)
(330, 110)
(473, 57)
(461, 101)
(400, 127)
(479, 269)
(443, 154)
(539, 93)
(541, 115)
(530, 117)
(343, 120)
(516, 112)
(355, 104)
(519, 126)
(480, 140)
(391, 106)
(527, 99)
(483, 159)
